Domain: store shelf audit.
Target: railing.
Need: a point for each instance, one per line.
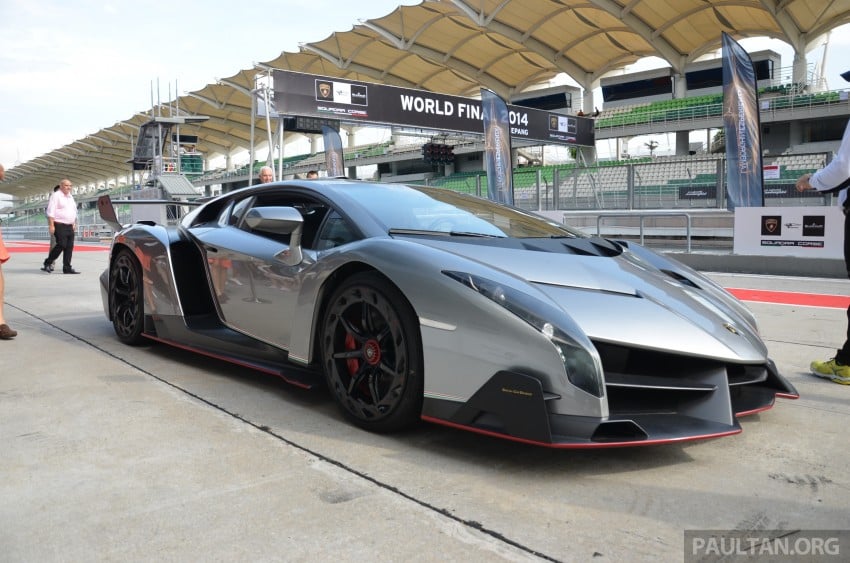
(693, 109)
(88, 232)
(88, 216)
(643, 216)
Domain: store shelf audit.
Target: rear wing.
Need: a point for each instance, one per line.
(106, 208)
(107, 213)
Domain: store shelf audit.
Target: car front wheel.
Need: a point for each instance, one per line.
(372, 354)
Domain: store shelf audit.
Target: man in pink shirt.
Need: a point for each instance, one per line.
(62, 223)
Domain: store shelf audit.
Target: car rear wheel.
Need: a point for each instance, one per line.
(126, 296)
(372, 354)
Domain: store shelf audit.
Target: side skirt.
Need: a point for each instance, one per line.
(206, 336)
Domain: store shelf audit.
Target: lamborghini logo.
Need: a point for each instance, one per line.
(324, 89)
(771, 225)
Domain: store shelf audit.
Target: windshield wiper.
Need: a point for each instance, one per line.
(468, 234)
(397, 231)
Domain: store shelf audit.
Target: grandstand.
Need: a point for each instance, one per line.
(711, 106)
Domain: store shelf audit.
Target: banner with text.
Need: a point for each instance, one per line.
(744, 175)
(497, 148)
(809, 232)
(297, 93)
(334, 161)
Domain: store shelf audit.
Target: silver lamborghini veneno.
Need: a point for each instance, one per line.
(413, 303)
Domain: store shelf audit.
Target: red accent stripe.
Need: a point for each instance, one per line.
(228, 359)
(580, 445)
(791, 298)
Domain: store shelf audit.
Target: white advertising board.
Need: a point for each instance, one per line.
(809, 232)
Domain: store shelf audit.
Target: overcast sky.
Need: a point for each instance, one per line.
(69, 68)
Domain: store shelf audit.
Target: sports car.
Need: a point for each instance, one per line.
(420, 303)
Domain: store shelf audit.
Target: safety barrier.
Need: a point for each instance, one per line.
(40, 232)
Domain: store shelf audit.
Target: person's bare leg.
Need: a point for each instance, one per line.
(5, 332)
(2, 319)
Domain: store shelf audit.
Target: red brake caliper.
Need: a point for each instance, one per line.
(353, 363)
(371, 353)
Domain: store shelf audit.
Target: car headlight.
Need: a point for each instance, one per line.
(581, 361)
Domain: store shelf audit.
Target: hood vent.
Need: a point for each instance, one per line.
(580, 246)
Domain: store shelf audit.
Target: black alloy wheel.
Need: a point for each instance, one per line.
(372, 354)
(126, 297)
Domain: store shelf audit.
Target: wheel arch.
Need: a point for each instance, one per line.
(153, 247)
(327, 290)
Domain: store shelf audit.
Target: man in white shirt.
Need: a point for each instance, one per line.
(266, 175)
(62, 223)
(837, 172)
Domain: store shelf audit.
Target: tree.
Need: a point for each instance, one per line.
(651, 145)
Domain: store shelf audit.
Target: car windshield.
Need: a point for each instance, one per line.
(428, 210)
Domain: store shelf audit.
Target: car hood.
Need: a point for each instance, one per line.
(632, 297)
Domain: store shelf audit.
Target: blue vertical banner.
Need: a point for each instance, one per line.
(497, 147)
(334, 161)
(742, 129)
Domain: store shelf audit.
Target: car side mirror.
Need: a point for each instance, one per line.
(282, 221)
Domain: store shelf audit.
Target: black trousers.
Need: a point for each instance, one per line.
(843, 355)
(64, 235)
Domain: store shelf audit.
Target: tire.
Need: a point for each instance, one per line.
(126, 298)
(372, 354)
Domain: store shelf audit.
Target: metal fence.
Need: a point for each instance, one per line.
(647, 184)
(89, 226)
(694, 184)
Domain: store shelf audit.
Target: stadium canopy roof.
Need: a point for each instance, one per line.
(456, 47)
